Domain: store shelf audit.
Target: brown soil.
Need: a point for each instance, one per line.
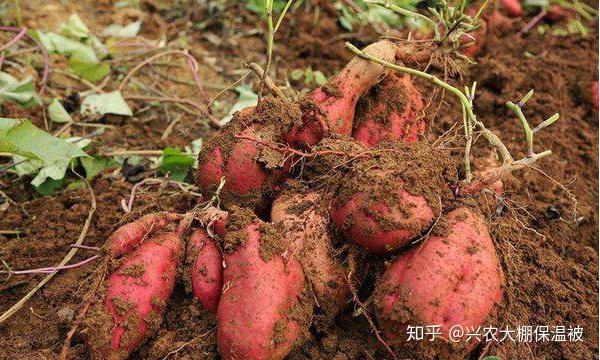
(548, 254)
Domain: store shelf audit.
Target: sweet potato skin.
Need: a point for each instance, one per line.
(129, 236)
(254, 320)
(206, 269)
(448, 280)
(251, 171)
(390, 112)
(379, 227)
(513, 7)
(303, 216)
(331, 107)
(136, 296)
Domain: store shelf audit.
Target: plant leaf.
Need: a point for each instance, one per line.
(96, 164)
(175, 163)
(57, 112)
(247, 98)
(108, 103)
(51, 155)
(127, 31)
(20, 91)
(75, 27)
(92, 71)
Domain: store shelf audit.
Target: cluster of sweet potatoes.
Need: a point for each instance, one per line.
(311, 189)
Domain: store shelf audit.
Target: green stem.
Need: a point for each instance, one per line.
(270, 36)
(405, 12)
(465, 102)
(526, 128)
(282, 15)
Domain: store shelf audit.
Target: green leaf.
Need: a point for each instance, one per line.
(119, 31)
(308, 76)
(65, 46)
(77, 184)
(259, 7)
(296, 74)
(320, 78)
(176, 163)
(108, 103)
(49, 186)
(94, 165)
(57, 112)
(75, 27)
(247, 98)
(20, 91)
(92, 71)
(49, 154)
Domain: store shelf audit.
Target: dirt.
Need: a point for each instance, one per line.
(548, 245)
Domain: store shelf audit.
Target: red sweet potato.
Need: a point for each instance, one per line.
(303, 217)
(447, 280)
(135, 298)
(129, 236)
(391, 111)
(382, 225)
(513, 7)
(473, 43)
(331, 107)
(252, 171)
(557, 13)
(260, 287)
(206, 269)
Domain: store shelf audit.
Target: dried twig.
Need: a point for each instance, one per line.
(17, 306)
(48, 270)
(44, 52)
(276, 91)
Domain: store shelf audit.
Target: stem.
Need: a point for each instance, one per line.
(134, 152)
(526, 128)
(270, 36)
(282, 15)
(405, 12)
(275, 91)
(465, 102)
(49, 269)
(500, 172)
(19, 304)
(43, 51)
(192, 64)
(14, 40)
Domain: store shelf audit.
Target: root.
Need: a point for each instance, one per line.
(67, 343)
(364, 311)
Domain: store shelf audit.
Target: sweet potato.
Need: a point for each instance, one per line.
(382, 223)
(451, 279)
(390, 194)
(129, 236)
(557, 13)
(473, 43)
(260, 288)
(206, 269)
(252, 171)
(331, 107)
(303, 216)
(391, 111)
(512, 7)
(134, 298)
